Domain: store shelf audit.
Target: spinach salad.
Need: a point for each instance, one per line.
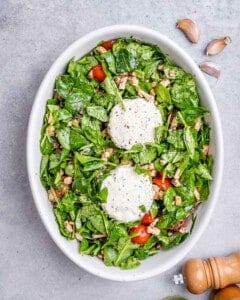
(79, 154)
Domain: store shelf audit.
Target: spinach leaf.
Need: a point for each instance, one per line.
(147, 155)
(189, 141)
(104, 100)
(184, 93)
(190, 114)
(93, 214)
(150, 70)
(44, 175)
(76, 101)
(172, 156)
(147, 249)
(90, 123)
(102, 195)
(142, 154)
(56, 159)
(163, 94)
(129, 263)
(175, 73)
(94, 136)
(202, 171)
(204, 189)
(145, 52)
(77, 139)
(82, 185)
(67, 203)
(89, 163)
(154, 209)
(46, 145)
(176, 139)
(116, 231)
(188, 177)
(204, 137)
(124, 60)
(61, 217)
(90, 247)
(168, 199)
(173, 240)
(184, 163)
(64, 85)
(44, 164)
(63, 136)
(111, 88)
(80, 68)
(160, 133)
(125, 249)
(109, 255)
(110, 60)
(187, 195)
(64, 115)
(97, 112)
(145, 86)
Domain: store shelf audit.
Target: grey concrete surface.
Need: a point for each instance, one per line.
(32, 35)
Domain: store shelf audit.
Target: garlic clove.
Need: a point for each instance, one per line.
(190, 29)
(216, 46)
(210, 68)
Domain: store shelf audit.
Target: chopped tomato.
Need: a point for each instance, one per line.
(108, 44)
(98, 73)
(147, 219)
(142, 236)
(163, 183)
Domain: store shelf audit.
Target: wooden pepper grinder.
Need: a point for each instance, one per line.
(216, 272)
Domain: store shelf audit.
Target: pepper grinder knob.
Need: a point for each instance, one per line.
(215, 272)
